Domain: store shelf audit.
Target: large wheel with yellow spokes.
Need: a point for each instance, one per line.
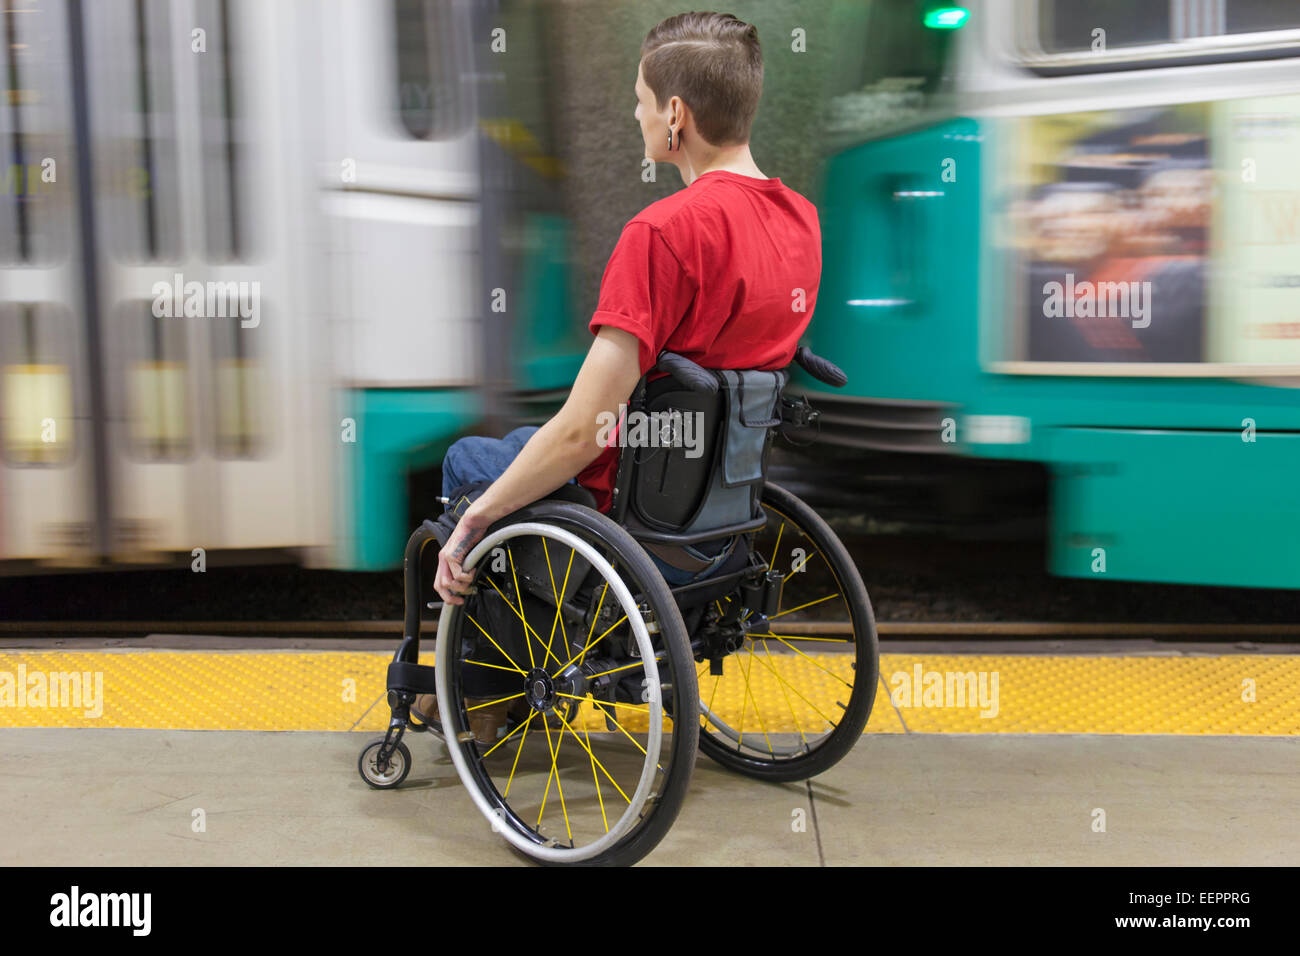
(572, 638)
(796, 691)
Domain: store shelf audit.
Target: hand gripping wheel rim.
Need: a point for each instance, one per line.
(654, 691)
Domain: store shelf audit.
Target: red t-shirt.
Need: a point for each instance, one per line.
(724, 272)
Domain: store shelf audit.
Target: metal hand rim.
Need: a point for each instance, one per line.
(655, 736)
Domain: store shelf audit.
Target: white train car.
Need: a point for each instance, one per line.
(260, 239)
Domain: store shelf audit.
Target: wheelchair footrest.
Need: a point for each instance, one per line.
(413, 678)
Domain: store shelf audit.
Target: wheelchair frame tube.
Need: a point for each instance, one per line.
(409, 649)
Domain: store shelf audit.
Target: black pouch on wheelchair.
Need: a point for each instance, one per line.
(712, 475)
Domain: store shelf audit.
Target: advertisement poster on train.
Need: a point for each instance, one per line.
(1110, 219)
(1166, 234)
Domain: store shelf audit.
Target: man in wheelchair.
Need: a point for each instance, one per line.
(617, 602)
(723, 272)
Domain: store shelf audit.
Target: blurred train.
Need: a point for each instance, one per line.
(1066, 233)
(258, 265)
(261, 262)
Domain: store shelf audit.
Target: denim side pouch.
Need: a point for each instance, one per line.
(753, 399)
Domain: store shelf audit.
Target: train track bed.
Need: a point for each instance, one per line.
(913, 581)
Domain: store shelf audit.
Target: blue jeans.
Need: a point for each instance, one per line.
(475, 458)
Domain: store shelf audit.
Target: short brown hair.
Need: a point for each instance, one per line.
(714, 63)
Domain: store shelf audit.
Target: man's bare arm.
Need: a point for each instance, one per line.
(556, 452)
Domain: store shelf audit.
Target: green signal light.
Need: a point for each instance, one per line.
(947, 18)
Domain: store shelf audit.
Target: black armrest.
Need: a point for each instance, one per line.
(687, 372)
(820, 368)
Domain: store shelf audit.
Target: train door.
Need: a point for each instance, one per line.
(47, 412)
(204, 236)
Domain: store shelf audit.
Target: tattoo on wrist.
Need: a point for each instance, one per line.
(470, 537)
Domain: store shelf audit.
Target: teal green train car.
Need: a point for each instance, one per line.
(1068, 233)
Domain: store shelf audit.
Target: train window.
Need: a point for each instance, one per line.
(223, 150)
(131, 49)
(36, 401)
(1070, 26)
(885, 69)
(36, 204)
(1107, 31)
(155, 382)
(434, 58)
(238, 390)
(1257, 16)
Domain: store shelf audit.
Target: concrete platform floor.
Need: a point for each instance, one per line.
(81, 797)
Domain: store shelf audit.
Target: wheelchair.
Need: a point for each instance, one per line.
(612, 679)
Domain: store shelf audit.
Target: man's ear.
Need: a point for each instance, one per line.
(678, 112)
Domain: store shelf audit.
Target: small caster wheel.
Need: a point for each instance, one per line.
(399, 765)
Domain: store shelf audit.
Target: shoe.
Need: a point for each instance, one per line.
(487, 723)
(426, 708)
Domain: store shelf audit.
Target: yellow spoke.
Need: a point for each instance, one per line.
(776, 547)
(617, 669)
(587, 646)
(517, 753)
(555, 771)
(594, 618)
(716, 681)
(812, 661)
(558, 600)
(599, 799)
(793, 637)
(616, 703)
(528, 628)
(796, 692)
(793, 715)
(600, 705)
(494, 643)
(749, 693)
(491, 702)
(509, 735)
(593, 757)
(515, 578)
(509, 670)
(791, 610)
(804, 566)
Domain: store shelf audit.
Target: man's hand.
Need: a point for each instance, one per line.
(452, 581)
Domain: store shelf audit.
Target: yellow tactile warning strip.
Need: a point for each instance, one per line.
(918, 693)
